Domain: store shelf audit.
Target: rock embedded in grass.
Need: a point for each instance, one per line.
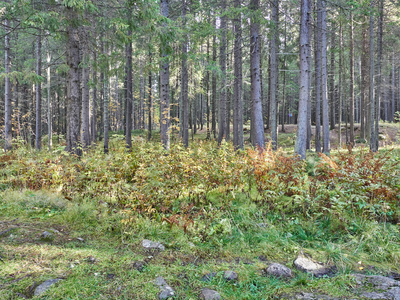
(45, 286)
(207, 294)
(150, 245)
(230, 276)
(46, 236)
(139, 265)
(279, 270)
(307, 265)
(208, 277)
(382, 287)
(166, 290)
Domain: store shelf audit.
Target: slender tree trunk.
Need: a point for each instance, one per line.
(222, 62)
(371, 77)
(7, 89)
(364, 82)
(94, 100)
(164, 87)
(129, 96)
(309, 108)
(150, 102)
(106, 105)
(340, 84)
(214, 85)
(318, 82)
(351, 114)
(274, 73)
(238, 82)
(85, 132)
(255, 77)
(392, 106)
(324, 85)
(300, 147)
(49, 108)
(208, 90)
(184, 84)
(379, 74)
(332, 77)
(38, 133)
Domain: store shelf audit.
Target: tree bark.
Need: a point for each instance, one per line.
(318, 83)
(274, 73)
(7, 90)
(85, 131)
(164, 86)
(324, 79)
(184, 85)
(238, 81)
(351, 114)
(300, 147)
(129, 96)
(94, 100)
(371, 78)
(222, 62)
(257, 118)
(38, 133)
(49, 107)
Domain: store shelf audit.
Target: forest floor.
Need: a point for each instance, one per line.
(87, 243)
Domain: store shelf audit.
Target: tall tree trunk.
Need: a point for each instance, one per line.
(49, 107)
(7, 89)
(274, 73)
(332, 77)
(324, 79)
(85, 131)
(300, 147)
(94, 100)
(379, 73)
(106, 106)
(214, 85)
(371, 77)
(238, 83)
(351, 114)
(164, 87)
(150, 102)
(392, 106)
(318, 83)
(257, 117)
(38, 133)
(129, 96)
(309, 108)
(222, 62)
(184, 84)
(364, 82)
(73, 86)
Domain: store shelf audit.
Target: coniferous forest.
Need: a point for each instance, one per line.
(199, 149)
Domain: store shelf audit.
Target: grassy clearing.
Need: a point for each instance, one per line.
(214, 210)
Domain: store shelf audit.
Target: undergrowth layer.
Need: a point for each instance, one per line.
(213, 208)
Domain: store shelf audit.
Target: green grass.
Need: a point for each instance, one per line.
(236, 245)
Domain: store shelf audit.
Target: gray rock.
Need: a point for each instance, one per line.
(230, 276)
(166, 291)
(150, 245)
(374, 296)
(385, 287)
(46, 235)
(139, 265)
(207, 294)
(45, 286)
(307, 265)
(208, 277)
(80, 239)
(279, 270)
(312, 296)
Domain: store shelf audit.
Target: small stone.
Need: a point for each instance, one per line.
(166, 290)
(46, 235)
(139, 265)
(45, 286)
(305, 264)
(230, 276)
(207, 294)
(262, 225)
(80, 239)
(110, 276)
(91, 259)
(279, 270)
(208, 277)
(150, 245)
